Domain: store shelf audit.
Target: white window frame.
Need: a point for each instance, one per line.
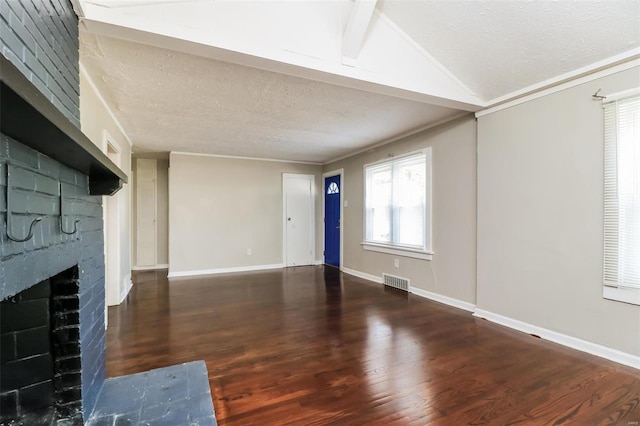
(611, 289)
(425, 252)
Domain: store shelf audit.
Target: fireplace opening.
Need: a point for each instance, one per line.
(40, 379)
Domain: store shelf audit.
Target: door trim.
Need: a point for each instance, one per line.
(337, 172)
(111, 206)
(312, 217)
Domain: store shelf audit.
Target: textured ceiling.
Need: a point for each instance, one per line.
(171, 101)
(497, 47)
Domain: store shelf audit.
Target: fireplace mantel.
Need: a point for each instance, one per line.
(26, 115)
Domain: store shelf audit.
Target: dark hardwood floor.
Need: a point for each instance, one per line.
(309, 346)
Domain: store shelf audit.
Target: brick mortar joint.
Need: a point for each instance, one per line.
(70, 372)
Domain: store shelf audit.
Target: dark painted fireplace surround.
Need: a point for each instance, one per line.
(52, 290)
(52, 285)
(73, 303)
(52, 324)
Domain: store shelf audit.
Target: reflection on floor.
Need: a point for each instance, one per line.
(313, 346)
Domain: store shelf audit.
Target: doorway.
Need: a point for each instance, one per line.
(298, 219)
(333, 218)
(146, 212)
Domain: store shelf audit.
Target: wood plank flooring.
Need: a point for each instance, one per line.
(310, 346)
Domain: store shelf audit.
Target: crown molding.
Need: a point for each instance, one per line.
(611, 65)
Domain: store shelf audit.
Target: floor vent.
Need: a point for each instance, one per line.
(395, 282)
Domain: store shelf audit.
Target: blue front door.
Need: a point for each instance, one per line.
(332, 221)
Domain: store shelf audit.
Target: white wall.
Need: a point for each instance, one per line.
(220, 207)
(540, 202)
(452, 272)
(95, 120)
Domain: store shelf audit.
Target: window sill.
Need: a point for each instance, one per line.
(398, 251)
(626, 295)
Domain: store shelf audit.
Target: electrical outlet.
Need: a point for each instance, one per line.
(396, 263)
(248, 252)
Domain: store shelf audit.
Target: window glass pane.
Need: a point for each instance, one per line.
(622, 195)
(333, 189)
(410, 197)
(396, 211)
(379, 203)
(628, 156)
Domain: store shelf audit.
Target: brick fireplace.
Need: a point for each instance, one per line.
(52, 179)
(42, 258)
(52, 273)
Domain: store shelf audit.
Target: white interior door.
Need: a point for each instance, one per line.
(146, 212)
(299, 226)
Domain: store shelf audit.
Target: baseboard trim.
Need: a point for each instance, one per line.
(562, 339)
(362, 275)
(470, 307)
(224, 270)
(150, 268)
(456, 303)
(126, 288)
(318, 262)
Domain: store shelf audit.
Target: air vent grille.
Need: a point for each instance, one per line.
(395, 282)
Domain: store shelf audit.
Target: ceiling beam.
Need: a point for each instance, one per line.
(263, 40)
(356, 29)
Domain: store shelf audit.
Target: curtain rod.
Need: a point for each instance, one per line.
(596, 96)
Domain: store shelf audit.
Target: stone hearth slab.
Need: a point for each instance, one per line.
(176, 395)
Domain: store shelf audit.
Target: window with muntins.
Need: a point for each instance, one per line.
(397, 203)
(622, 198)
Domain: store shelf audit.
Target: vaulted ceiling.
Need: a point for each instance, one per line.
(316, 80)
